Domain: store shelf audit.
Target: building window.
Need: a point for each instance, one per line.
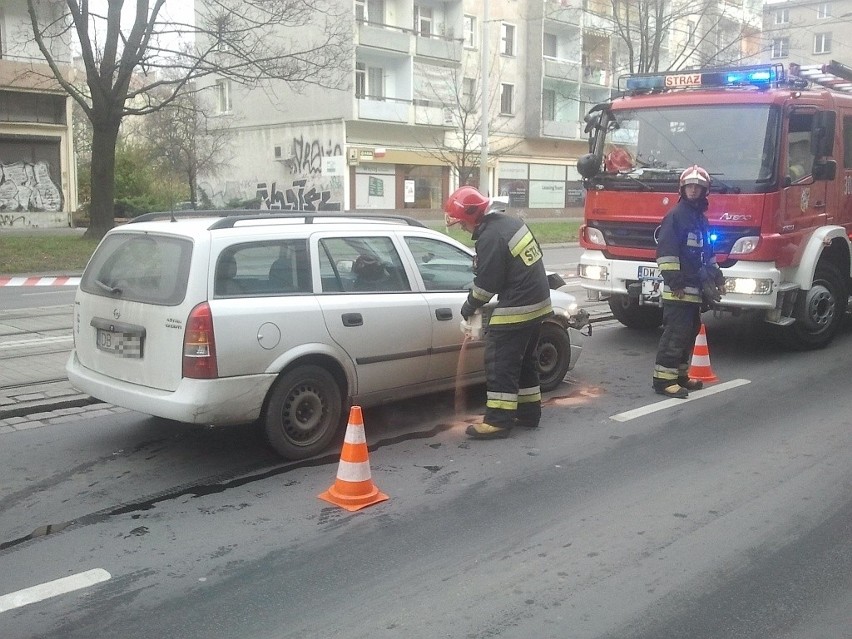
(422, 20)
(548, 104)
(549, 46)
(222, 35)
(824, 10)
(507, 39)
(376, 82)
(507, 99)
(360, 80)
(369, 82)
(469, 94)
(780, 47)
(782, 16)
(223, 96)
(822, 43)
(372, 11)
(470, 32)
(690, 26)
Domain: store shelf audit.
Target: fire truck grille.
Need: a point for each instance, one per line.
(628, 235)
(641, 235)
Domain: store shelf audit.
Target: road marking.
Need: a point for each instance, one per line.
(668, 403)
(53, 588)
(40, 341)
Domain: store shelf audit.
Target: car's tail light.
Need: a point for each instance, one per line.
(199, 345)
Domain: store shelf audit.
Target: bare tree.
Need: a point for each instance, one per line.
(459, 97)
(655, 35)
(252, 42)
(187, 139)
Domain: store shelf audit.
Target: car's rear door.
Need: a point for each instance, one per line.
(373, 314)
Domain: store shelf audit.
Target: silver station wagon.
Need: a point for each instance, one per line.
(227, 318)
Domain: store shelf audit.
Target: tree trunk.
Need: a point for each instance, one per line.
(102, 208)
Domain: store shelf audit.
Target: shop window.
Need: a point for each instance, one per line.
(422, 187)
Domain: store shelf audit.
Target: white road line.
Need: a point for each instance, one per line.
(53, 588)
(40, 341)
(668, 403)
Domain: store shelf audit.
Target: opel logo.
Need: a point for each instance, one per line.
(657, 235)
(115, 313)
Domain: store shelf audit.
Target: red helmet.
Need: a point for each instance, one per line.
(695, 175)
(465, 204)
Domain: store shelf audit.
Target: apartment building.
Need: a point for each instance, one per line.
(408, 127)
(805, 33)
(38, 177)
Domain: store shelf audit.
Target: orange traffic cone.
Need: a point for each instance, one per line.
(700, 366)
(354, 488)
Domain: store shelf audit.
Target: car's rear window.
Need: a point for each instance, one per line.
(140, 268)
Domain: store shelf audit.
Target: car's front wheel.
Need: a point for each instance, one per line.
(303, 413)
(553, 355)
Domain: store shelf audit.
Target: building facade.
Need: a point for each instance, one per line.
(408, 128)
(807, 33)
(38, 177)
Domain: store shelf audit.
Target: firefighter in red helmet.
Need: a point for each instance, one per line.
(691, 279)
(508, 264)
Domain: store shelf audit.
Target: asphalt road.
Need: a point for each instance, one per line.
(725, 516)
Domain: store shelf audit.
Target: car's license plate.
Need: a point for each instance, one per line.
(121, 344)
(651, 281)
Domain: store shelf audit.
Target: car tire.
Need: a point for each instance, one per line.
(819, 311)
(553, 356)
(303, 413)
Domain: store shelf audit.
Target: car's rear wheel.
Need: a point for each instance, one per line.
(303, 413)
(553, 355)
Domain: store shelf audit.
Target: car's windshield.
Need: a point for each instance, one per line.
(735, 143)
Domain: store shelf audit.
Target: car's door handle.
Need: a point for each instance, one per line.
(444, 314)
(352, 319)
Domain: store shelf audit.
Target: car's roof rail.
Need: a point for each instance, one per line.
(230, 217)
(174, 216)
(310, 216)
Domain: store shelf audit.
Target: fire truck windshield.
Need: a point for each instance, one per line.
(647, 148)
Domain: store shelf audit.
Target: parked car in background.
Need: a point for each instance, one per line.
(286, 318)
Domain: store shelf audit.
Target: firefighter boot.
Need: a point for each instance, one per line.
(690, 384)
(486, 431)
(672, 390)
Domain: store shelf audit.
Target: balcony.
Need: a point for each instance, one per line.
(439, 47)
(559, 12)
(596, 75)
(569, 130)
(384, 36)
(562, 69)
(384, 109)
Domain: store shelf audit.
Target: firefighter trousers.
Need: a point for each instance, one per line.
(681, 325)
(512, 382)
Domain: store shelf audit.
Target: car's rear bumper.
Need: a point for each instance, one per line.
(222, 402)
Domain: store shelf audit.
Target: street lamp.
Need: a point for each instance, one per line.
(483, 155)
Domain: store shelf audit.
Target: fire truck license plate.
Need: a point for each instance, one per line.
(652, 284)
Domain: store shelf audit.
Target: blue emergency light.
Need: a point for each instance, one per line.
(757, 76)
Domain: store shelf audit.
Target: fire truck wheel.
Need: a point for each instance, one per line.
(819, 311)
(634, 316)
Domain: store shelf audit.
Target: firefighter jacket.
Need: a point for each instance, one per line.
(684, 253)
(509, 264)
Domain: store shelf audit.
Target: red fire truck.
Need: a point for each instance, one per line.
(778, 146)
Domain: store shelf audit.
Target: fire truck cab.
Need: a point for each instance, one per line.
(778, 146)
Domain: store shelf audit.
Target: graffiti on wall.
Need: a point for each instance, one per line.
(299, 197)
(296, 177)
(307, 154)
(25, 186)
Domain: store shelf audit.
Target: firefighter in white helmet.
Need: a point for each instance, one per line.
(691, 278)
(509, 265)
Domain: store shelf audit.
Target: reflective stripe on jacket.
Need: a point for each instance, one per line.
(683, 247)
(509, 264)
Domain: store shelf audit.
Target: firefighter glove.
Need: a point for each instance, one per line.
(467, 310)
